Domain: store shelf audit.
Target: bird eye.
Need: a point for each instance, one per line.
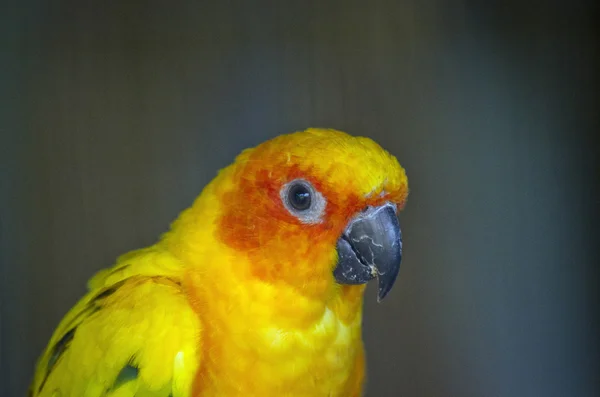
(299, 197)
(303, 201)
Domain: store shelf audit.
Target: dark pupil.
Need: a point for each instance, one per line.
(300, 197)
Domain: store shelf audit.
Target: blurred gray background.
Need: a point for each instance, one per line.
(113, 116)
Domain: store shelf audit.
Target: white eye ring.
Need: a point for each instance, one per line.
(303, 201)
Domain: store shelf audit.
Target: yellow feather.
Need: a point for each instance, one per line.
(236, 299)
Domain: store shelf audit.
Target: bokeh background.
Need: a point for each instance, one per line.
(114, 115)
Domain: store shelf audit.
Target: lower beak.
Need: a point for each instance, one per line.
(371, 246)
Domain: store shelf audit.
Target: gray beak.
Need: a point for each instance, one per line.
(371, 246)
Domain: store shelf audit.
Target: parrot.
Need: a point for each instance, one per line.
(256, 289)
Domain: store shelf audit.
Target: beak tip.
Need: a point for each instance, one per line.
(383, 292)
(385, 282)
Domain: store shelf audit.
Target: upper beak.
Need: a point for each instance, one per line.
(371, 246)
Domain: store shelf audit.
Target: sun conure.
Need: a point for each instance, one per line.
(256, 289)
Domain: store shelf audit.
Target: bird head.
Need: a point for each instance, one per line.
(315, 209)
